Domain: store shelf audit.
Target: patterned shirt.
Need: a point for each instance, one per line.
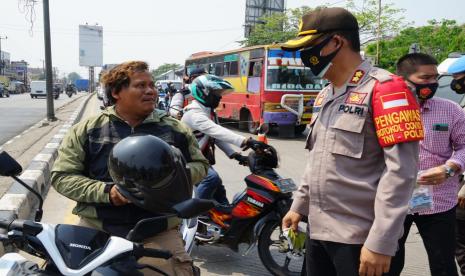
(444, 125)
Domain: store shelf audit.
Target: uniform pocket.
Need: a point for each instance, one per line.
(347, 135)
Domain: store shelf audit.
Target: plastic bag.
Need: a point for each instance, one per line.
(296, 240)
(422, 198)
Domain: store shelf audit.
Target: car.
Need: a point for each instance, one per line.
(17, 87)
(4, 92)
(100, 92)
(38, 89)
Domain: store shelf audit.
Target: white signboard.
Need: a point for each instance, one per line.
(90, 45)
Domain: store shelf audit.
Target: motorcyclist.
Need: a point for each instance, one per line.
(81, 172)
(200, 116)
(178, 101)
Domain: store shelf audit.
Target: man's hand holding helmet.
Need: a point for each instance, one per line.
(116, 198)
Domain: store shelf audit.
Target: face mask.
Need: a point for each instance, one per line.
(458, 85)
(311, 58)
(212, 100)
(425, 91)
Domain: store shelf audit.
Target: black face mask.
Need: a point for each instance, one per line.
(458, 85)
(311, 58)
(425, 91)
(212, 101)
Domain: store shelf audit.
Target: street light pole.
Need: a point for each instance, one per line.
(1, 56)
(48, 64)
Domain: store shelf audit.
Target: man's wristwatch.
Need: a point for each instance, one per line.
(449, 171)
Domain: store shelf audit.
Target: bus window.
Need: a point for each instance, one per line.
(255, 68)
(219, 69)
(211, 69)
(226, 69)
(284, 78)
(233, 68)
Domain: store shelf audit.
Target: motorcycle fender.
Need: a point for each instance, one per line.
(261, 223)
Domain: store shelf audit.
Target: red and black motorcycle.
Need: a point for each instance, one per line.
(255, 216)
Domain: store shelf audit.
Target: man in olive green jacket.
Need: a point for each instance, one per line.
(81, 174)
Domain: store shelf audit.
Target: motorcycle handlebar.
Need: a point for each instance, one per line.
(5, 224)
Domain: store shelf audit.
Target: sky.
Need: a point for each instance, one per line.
(156, 31)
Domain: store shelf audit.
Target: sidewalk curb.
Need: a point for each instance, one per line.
(18, 202)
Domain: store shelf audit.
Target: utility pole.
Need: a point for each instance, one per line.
(48, 63)
(378, 32)
(2, 65)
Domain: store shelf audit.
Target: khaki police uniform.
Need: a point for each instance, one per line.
(362, 163)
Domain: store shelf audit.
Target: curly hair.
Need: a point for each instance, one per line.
(119, 77)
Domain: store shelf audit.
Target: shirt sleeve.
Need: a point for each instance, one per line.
(301, 201)
(68, 171)
(457, 136)
(200, 121)
(176, 104)
(392, 196)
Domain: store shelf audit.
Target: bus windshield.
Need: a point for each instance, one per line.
(285, 71)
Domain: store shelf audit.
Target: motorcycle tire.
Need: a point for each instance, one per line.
(285, 266)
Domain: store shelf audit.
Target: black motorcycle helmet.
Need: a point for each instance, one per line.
(150, 173)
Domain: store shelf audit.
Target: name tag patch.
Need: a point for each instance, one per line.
(357, 110)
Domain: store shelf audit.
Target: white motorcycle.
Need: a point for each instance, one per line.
(76, 250)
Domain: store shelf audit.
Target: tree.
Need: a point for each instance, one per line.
(164, 68)
(391, 20)
(280, 27)
(277, 27)
(73, 76)
(438, 38)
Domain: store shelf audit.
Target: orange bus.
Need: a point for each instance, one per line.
(270, 86)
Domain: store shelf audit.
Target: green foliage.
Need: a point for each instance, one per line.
(391, 20)
(438, 38)
(73, 76)
(280, 27)
(277, 27)
(164, 68)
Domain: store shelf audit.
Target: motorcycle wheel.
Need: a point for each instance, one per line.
(274, 251)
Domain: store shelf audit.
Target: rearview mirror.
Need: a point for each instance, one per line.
(193, 207)
(8, 165)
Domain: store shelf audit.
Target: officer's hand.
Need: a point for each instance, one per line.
(372, 263)
(243, 160)
(291, 220)
(433, 176)
(116, 198)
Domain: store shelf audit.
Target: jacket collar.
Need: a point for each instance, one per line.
(154, 117)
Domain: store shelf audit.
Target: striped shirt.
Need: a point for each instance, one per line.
(444, 125)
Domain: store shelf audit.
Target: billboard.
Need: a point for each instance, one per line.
(255, 9)
(90, 45)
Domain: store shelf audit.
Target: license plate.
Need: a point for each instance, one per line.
(286, 185)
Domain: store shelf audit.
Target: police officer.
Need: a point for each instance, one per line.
(363, 152)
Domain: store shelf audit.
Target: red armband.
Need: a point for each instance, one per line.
(396, 113)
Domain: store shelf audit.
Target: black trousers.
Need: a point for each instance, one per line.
(460, 246)
(325, 258)
(438, 234)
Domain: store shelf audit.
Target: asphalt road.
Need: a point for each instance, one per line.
(19, 111)
(214, 260)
